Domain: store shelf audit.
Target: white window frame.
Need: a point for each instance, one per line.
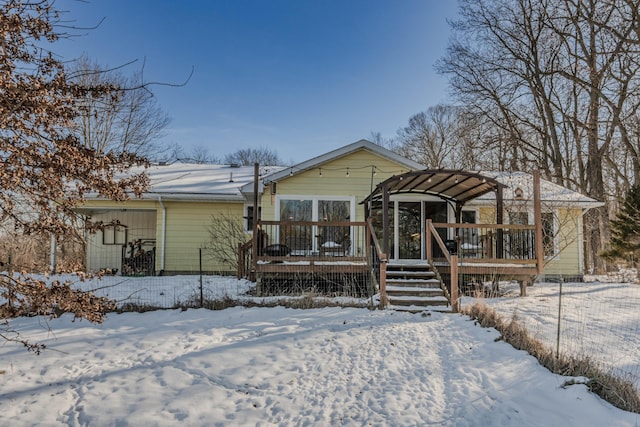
(118, 234)
(314, 209)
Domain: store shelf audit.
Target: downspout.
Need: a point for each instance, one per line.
(52, 254)
(162, 234)
(581, 241)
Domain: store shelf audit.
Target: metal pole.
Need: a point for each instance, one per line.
(201, 292)
(559, 314)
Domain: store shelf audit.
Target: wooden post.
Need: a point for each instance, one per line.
(499, 220)
(455, 304)
(241, 259)
(254, 248)
(429, 241)
(383, 283)
(523, 288)
(385, 220)
(537, 218)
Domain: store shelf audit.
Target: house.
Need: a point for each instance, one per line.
(341, 219)
(164, 231)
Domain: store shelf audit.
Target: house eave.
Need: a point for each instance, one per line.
(183, 197)
(340, 152)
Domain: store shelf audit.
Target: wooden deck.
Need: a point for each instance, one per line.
(355, 260)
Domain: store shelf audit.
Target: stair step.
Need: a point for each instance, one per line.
(410, 273)
(420, 309)
(413, 283)
(409, 263)
(418, 292)
(418, 301)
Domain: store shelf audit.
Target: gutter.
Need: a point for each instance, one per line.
(163, 232)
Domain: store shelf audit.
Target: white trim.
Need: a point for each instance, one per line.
(580, 244)
(314, 210)
(163, 233)
(341, 152)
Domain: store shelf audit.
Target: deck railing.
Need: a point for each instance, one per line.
(501, 242)
(313, 256)
(312, 241)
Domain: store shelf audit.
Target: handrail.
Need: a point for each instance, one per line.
(316, 223)
(243, 263)
(453, 263)
(436, 236)
(494, 226)
(382, 263)
(376, 244)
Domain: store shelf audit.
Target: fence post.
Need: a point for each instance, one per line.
(383, 283)
(240, 269)
(455, 305)
(559, 317)
(201, 293)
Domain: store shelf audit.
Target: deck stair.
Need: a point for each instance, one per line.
(415, 286)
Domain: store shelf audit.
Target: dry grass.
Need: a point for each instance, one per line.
(616, 390)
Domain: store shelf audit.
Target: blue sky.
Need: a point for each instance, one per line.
(300, 77)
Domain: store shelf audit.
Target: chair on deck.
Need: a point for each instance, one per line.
(299, 245)
(331, 248)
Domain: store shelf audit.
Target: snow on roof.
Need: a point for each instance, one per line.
(205, 181)
(549, 192)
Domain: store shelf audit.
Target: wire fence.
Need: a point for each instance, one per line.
(164, 292)
(598, 320)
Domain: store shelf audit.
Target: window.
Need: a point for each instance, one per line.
(548, 234)
(297, 237)
(334, 236)
(115, 234)
(470, 239)
(249, 217)
(518, 218)
(303, 239)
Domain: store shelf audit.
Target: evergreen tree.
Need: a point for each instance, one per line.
(625, 229)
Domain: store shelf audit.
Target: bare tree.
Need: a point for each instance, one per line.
(439, 138)
(45, 171)
(559, 79)
(249, 156)
(129, 120)
(378, 139)
(200, 154)
(225, 231)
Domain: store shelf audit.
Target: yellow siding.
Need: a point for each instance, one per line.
(139, 225)
(186, 233)
(567, 260)
(334, 181)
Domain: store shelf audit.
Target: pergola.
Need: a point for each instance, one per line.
(455, 187)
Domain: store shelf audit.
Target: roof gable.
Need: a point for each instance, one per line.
(318, 161)
(549, 192)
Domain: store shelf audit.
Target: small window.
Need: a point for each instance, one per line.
(548, 234)
(115, 234)
(249, 217)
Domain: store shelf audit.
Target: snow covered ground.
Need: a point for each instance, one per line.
(279, 366)
(600, 320)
